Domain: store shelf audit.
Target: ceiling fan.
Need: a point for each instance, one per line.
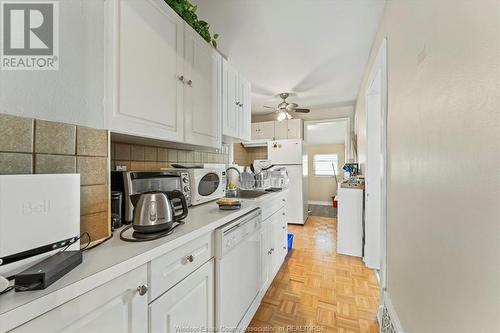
(284, 108)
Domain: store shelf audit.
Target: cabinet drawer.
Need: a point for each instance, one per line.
(170, 268)
(270, 207)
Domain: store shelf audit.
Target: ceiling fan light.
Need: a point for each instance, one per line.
(282, 115)
(288, 116)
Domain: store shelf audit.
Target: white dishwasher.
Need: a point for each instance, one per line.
(237, 259)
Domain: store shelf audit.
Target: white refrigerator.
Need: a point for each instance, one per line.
(292, 154)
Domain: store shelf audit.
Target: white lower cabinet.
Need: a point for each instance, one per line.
(188, 305)
(116, 306)
(273, 247)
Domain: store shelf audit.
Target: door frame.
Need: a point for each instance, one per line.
(380, 66)
(347, 143)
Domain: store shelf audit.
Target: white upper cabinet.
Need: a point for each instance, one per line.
(230, 106)
(286, 129)
(146, 98)
(295, 129)
(236, 104)
(263, 130)
(280, 130)
(164, 79)
(202, 91)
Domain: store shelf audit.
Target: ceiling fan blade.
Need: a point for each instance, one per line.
(269, 107)
(302, 110)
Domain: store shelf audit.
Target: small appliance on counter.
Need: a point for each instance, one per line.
(39, 214)
(207, 184)
(155, 214)
(137, 182)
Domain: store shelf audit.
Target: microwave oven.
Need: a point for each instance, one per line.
(207, 184)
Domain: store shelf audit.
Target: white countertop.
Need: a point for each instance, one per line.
(115, 257)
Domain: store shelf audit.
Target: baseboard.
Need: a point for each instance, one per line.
(320, 203)
(387, 317)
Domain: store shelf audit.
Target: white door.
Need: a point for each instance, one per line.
(188, 304)
(375, 194)
(295, 129)
(281, 130)
(202, 98)
(115, 306)
(147, 100)
(245, 111)
(230, 108)
(285, 152)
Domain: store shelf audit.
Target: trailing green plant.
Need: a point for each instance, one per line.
(187, 11)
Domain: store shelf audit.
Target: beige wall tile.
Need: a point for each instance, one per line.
(163, 165)
(93, 199)
(137, 165)
(137, 153)
(91, 142)
(122, 152)
(97, 225)
(92, 170)
(16, 134)
(172, 155)
(55, 164)
(182, 156)
(189, 157)
(204, 157)
(150, 154)
(150, 166)
(197, 157)
(12, 163)
(162, 155)
(126, 163)
(54, 138)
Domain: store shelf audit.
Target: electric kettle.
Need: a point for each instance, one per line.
(154, 211)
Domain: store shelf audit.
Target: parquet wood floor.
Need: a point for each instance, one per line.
(318, 290)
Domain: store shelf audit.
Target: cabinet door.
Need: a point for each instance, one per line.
(230, 108)
(280, 130)
(278, 237)
(265, 256)
(202, 91)
(295, 129)
(188, 304)
(255, 128)
(265, 130)
(245, 119)
(148, 48)
(113, 307)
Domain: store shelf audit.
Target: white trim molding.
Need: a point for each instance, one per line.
(387, 317)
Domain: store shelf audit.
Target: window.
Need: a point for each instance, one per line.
(322, 165)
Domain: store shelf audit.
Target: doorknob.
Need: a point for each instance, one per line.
(142, 289)
(190, 83)
(181, 78)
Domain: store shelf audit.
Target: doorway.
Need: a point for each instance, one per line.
(327, 147)
(376, 161)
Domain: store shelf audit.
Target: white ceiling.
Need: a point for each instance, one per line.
(317, 49)
(332, 132)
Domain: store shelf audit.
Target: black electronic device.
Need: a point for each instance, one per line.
(44, 273)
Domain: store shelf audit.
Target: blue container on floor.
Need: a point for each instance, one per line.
(290, 242)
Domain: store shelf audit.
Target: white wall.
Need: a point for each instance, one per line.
(74, 93)
(443, 237)
(331, 132)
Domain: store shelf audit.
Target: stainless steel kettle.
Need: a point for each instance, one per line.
(154, 211)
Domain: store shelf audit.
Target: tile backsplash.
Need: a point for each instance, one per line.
(32, 146)
(141, 158)
(244, 156)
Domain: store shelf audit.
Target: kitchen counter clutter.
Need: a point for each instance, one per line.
(139, 267)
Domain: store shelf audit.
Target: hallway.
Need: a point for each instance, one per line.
(319, 289)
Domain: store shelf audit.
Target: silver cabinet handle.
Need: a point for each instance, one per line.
(190, 258)
(272, 249)
(283, 214)
(190, 83)
(181, 78)
(237, 103)
(283, 228)
(269, 252)
(284, 247)
(284, 200)
(142, 289)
